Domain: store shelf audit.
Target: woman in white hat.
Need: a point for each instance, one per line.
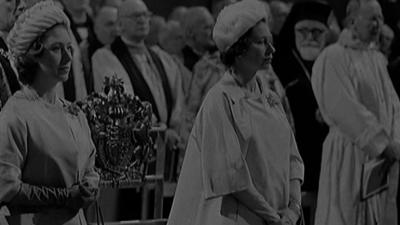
(241, 164)
(46, 154)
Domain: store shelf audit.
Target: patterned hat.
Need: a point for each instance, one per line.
(32, 24)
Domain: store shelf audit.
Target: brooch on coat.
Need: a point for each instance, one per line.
(72, 108)
(272, 100)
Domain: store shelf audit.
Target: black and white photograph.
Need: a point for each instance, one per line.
(199, 112)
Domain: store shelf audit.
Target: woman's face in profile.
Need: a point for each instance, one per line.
(57, 55)
(259, 54)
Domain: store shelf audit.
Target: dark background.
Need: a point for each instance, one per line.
(390, 8)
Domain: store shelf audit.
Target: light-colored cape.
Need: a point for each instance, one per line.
(239, 139)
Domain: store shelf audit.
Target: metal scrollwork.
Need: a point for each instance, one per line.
(120, 126)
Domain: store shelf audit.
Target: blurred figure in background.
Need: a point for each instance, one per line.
(334, 29)
(9, 83)
(105, 27)
(385, 40)
(172, 40)
(178, 14)
(81, 22)
(198, 28)
(358, 102)
(157, 24)
(105, 32)
(385, 46)
(218, 5)
(95, 5)
(279, 11)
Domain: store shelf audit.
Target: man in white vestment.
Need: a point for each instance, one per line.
(358, 102)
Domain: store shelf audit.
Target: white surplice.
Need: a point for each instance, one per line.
(358, 102)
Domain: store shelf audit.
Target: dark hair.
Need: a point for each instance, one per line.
(27, 66)
(238, 48)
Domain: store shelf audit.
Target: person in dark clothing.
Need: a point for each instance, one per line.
(279, 11)
(9, 83)
(301, 39)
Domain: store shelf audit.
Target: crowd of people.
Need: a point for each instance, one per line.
(264, 102)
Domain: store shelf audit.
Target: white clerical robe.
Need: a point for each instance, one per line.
(358, 102)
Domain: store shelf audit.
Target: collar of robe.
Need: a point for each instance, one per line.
(237, 92)
(250, 86)
(138, 48)
(349, 39)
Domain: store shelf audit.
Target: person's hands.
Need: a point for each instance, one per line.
(89, 191)
(81, 196)
(392, 151)
(173, 140)
(275, 221)
(280, 222)
(289, 216)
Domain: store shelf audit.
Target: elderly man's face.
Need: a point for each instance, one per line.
(7, 8)
(202, 32)
(174, 41)
(369, 21)
(105, 25)
(135, 20)
(310, 37)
